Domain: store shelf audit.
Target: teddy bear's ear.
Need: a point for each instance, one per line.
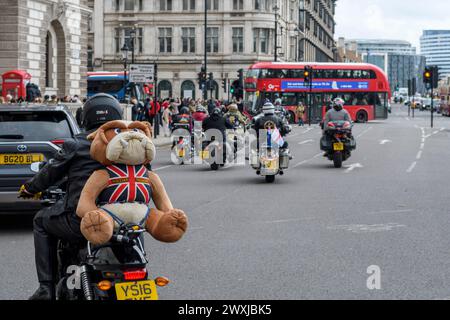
(91, 137)
(149, 129)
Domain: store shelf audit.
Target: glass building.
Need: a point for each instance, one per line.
(435, 46)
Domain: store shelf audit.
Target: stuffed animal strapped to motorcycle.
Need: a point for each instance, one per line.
(121, 192)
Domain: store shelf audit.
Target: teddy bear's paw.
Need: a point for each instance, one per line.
(97, 227)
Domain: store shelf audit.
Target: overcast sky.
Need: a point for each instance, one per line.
(390, 19)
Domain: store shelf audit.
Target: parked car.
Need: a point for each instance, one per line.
(29, 134)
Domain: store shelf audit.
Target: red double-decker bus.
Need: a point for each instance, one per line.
(364, 88)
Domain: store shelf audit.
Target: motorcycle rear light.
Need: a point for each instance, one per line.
(58, 142)
(162, 281)
(137, 274)
(346, 125)
(104, 285)
(331, 124)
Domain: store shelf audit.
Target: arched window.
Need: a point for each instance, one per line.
(188, 89)
(164, 89)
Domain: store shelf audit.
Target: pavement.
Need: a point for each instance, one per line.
(316, 233)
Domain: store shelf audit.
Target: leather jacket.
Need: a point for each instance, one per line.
(74, 161)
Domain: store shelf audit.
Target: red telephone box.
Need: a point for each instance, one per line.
(14, 83)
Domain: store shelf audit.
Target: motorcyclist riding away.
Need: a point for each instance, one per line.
(235, 117)
(218, 122)
(337, 113)
(200, 113)
(182, 120)
(60, 220)
(269, 120)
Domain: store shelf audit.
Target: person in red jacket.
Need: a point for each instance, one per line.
(154, 110)
(200, 114)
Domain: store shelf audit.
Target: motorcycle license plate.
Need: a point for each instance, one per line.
(181, 153)
(271, 165)
(339, 146)
(139, 290)
(205, 155)
(17, 159)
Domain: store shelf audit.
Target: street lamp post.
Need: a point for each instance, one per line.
(132, 36)
(276, 9)
(125, 51)
(205, 89)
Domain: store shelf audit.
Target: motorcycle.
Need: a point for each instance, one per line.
(269, 161)
(338, 142)
(209, 151)
(114, 271)
(182, 148)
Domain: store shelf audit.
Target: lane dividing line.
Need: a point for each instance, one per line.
(305, 142)
(364, 132)
(419, 155)
(162, 168)
(308, 160)
(411, 168)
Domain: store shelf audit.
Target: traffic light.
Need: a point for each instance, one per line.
(431, 77)
(202, 78)
(236, 90)
(224, 85)
(427, 75)
(308, 76)
(241, 76)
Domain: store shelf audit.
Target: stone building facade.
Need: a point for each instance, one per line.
(171, 33)
(48, 39)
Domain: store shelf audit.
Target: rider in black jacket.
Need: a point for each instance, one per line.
(268, 120)
(60, 221)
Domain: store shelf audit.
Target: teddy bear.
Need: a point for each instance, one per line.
(121, 192)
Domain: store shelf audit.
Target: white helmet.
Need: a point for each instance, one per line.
(268, 109)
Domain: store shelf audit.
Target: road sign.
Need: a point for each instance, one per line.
(142, 73)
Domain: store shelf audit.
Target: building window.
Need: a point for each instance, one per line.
(238, 40)
(261, 40)
(123, 35)
(188, 5)
(188, 40)
(165, 89)
(212, 40)
(188, 89)
(212, 5)
(238, 4)
(293, 45)
(117, 5)
(165, 5)
(90, 59)
(165, 40)
(129, 5)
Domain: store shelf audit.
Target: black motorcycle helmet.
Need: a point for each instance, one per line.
(99, 109)
(184, 110)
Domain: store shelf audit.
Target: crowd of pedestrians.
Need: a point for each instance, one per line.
(161, 113)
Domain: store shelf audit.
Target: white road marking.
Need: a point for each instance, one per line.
(392, 211)
(364, 228)
(352, 167)
(305, 142)
(411, 168)
(419, 155)
(308, 160)
(162, 168)
(364, 132)
(422, 145)
(285, 221)
(385, 141)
